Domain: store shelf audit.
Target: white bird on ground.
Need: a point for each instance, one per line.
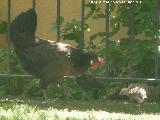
(135, 93)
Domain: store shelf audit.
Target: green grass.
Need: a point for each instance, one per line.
(77, 110)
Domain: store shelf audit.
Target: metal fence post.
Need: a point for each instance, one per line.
(131, 27)
(106, 37)
(58, 19)
(82, 24)
(34, 4)
(8, 37)
(157, 56)
(131, 21)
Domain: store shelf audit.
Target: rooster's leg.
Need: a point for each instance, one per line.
(43, 86)
(28, 87)
(89, 84)
(45, 96)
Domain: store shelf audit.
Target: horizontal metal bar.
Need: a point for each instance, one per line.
(14, 75)
(119, 79)
(98, 77)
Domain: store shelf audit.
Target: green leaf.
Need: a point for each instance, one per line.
(98, 16)
(100, 34)
(3, 27)
(61, 20)
(72, 36)
(54, 27)
(3, 54)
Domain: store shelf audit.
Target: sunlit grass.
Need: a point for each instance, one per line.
(77, 110)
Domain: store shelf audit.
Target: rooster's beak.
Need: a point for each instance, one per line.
(95, 64)
(101, 61)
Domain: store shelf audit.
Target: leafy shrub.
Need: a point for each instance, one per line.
(3, 27)
(132, 58)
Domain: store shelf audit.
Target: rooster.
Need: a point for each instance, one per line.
(45, 59)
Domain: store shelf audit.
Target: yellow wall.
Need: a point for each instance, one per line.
(46, 11)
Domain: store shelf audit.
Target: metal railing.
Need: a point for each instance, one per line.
(131, 36)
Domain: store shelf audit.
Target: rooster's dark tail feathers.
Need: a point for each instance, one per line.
(25, 23)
